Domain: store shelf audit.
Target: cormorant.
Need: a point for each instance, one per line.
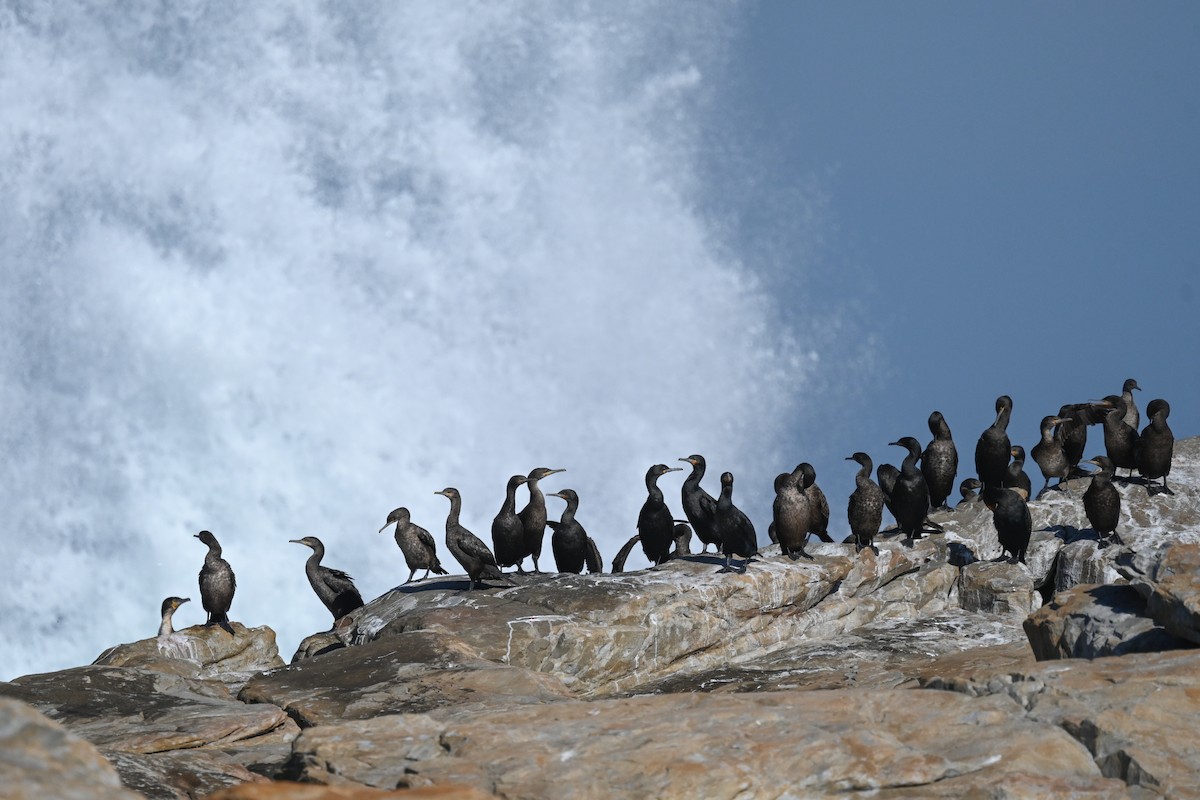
(698, 505)
(939, 462)
(467, 548)
(968, 489)
(818, 519)
(217, 583)
(865, 509)
(781, 482)
(683, 547)
(887, 475)
(910, 495)
(569, 542)
(1102, 501)
(533, 515)
(655, 524)
(168, 608)
(1015, 476)
(1156, 446)
(1050, 457)
(792, 514)
(508, 533)
(1014, 524)
(1119, 438)
(993, 449)
(736, 530)
(1071, 433)
(1131, 411)
(416, 543)
(334, 587)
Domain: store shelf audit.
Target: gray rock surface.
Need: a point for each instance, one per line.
(201, 653)
(1096, 621)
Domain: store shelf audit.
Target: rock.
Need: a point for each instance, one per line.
(998, 587)
(714, 745)
(1083, 561)
(1172, 591)
(1094, 621)
(179, 774)
(142, 711)
(318, 645)
(208, 653)
(39, 759)
(407, 672)
(1136, 714)
(288, 790)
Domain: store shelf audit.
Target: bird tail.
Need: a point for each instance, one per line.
(222, 619)
(438, 569)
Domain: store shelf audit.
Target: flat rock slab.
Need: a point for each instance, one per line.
(793, 744)
(40, 759)
(289, 790)
(998, 587)
(1095, 621)
(203, 653)
(1135, 713)
(141, 711)
(405, 673)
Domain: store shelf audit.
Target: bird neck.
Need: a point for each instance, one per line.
(695, 476)
(165, 627)
(455, 508)
(568, 514)
(864, 473)
(510, 501)
(1002, 417)
(652, 487)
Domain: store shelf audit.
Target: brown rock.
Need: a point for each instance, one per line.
(1173, 591)
(998, 587)
(200, 652)
(287, 790)
(41, 759)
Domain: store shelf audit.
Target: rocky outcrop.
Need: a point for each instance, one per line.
(204, 653)
(39, 758)
(682, 681)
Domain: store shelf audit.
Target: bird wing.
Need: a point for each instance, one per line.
(473, 546)
(618, 564)
(336, 579)
(554, 524)
(592, 557)
(426, 538)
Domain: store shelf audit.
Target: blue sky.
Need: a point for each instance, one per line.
(1009, 198)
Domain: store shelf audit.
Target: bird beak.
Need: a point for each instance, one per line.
(386, 525)
(895, 443)
(195, 536)
(850, 458)
(688, 460)
(674, 469)
(185, 600)
(295, 541)
(554, 471)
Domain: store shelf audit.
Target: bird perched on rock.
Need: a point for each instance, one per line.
(939, 462)
(805, 477)
(1102, 501)
(416, 543)
(1155, 448)
(533, 515)
(865, 508)
(217, 583)
(969, 490)
(698, 505)
(508, 532)
(993, 449)
(682, 547)
(467, 548)
(1014, 524)
(1015, 476)
(569, 542)
(1131, 417)
(887, 475)
(1050, 457)
(1119, 437)
(736, 530)
(910, 495)
(792, 514)
(334, 587)
(655, 524)
(169, 607)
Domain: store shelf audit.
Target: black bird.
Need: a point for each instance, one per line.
(1156, 446)
(887, 475)
(467, 548)
(1050, 457)
(1015, 476)
(217, 583)
(168, 609)
(865, 509)
(968, 489)
(939, 462)
(699, 506)
(592, 560)
(683, 547)
(781, 482)
(736, 530)
(910, 496)
(1131, 411)
(1119, 438)
(508, 533)
(792, 514)
(1102, 501)
(993, 449)
(334, 587)
(1014, 524)
(1071, 433)
(805, 477)
(656, 526)
(533, 515)
(569, 542)
(416, 543)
